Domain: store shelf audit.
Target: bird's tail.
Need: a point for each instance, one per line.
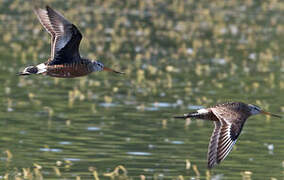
(191, 115)
(28, 71)
(39, 69)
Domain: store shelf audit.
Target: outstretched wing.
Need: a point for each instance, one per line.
(65, 37)
(45, 22)
(225, 134)
(213, 145)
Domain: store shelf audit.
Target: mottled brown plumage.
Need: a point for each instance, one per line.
(65, 60)
(70, 70)
(229, 119)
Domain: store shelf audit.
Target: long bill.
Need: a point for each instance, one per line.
(111, 70)
(270, 114)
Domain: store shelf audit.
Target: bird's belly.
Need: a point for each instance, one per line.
(68, 71)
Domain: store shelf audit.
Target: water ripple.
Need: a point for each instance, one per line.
(50, 150)
(139, 153)
(93, 128)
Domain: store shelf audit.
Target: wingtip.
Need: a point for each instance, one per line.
(37, 10)
(47, 7)
(209, 167)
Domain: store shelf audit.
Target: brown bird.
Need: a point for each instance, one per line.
(65, 60)
(229, 119)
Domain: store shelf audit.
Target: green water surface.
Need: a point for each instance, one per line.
(178, 56)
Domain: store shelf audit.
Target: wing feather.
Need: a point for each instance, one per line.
(45, 22)
(213, 145)
(65, 37)
(225, 134)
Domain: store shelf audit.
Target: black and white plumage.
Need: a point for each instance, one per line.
(229, 119)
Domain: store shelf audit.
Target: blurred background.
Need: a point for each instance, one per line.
(178, 56)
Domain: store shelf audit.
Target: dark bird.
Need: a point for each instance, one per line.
(65, 60)
(229, 119)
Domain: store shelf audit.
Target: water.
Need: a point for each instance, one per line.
(178, 57)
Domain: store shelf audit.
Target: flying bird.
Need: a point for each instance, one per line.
(229, 119)
(65, 60)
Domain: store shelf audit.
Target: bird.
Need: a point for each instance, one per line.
(65, 60)
(229, 119)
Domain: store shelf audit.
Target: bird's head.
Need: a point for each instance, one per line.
(257, 110)
(98, 66)
(29, 70)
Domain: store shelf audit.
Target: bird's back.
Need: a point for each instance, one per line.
(71, 70)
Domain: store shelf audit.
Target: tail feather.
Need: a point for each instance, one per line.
(189, 115)
(39, 69)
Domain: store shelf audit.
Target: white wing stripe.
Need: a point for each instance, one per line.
(226, 144)
(228, 150)
(224, 148)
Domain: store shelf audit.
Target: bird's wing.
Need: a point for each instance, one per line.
(224, 136)
(45, 22)
(66, 37)
(213, 145)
